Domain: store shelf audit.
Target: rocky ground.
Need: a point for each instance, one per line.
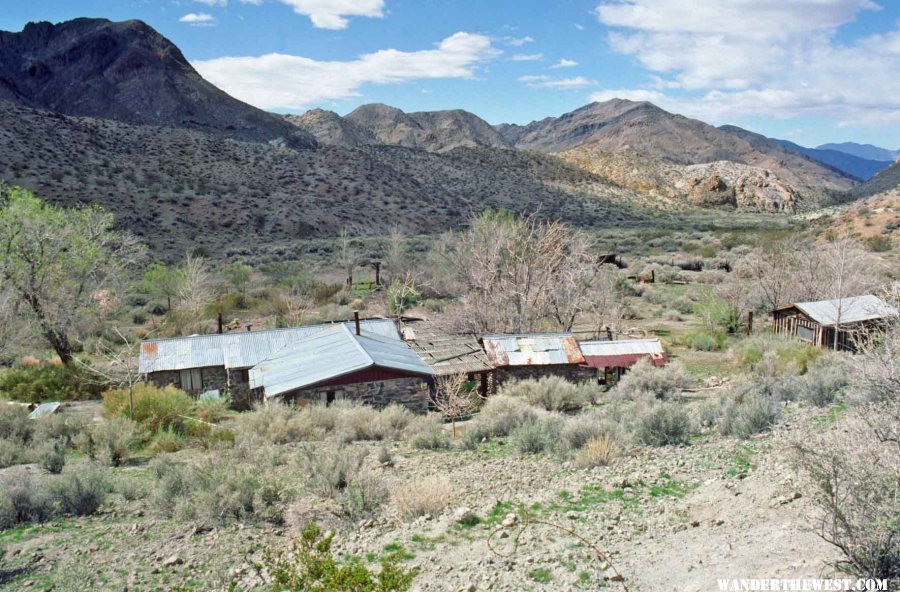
(674, 518)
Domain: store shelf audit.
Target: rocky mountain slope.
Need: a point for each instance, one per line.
(717, 184)
(618, 125)
(861, 168)
(180, 188)
(886, 180)
(331, 129)
(128, 72)
(435, 131)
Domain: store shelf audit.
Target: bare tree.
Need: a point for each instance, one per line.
(401, 295)
(294, 307)
(396, 257)
(347, 257)
(194, 292)
(120, 368)
(453, 398)
(847, 271)
(522, 274)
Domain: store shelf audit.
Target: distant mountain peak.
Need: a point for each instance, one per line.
(128, 72)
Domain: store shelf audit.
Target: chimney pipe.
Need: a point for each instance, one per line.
(356, 320)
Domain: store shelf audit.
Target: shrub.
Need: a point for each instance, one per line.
(501, 414)
(274, 422)
(14, 423)
(748, 412)
(331, 468)
(665, 424)
(311, 566)
(49, 382)
(424, 497)
(823, 382)
(363, 496)
(783, 350)
(580, 430)
(427, 433)
(597, 452)
(645, 381)
(12, 452)
(80, 493)
(51, 455)
(155, 408)
(541, 435)
(110, 441)
(704, 341)
(550, 392)
(23, 499)
(166, 440)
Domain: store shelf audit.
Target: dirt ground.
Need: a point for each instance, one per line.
(671, 518)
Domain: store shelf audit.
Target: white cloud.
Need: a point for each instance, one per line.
(526, 57)
(219, 3)
(559, 83)
(579, 26)
(324, 14)
(735, 58)
(564, 63)
(198, 19)
(280, 81)
(518, 41)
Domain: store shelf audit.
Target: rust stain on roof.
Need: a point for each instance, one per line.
(150, 348)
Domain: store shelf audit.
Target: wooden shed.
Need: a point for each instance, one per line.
(820, 322)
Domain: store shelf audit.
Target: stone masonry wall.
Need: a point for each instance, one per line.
(412, 393)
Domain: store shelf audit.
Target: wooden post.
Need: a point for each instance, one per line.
(652, 276)
(356, 320)
(377, 265)
(749, 322)
(219, 319)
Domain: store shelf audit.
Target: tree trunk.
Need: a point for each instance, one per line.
(59, 341)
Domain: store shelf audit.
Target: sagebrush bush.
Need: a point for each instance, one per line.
(363, 496)
(747, 411)
(51, 455)
(597, 452)
(550, 392)
(24, 498)
(785, 351)
(166, 440)
(540, 435)
(110, 441)
(824, 381)
(331, 468)
(12, 452)
(499, 416)
(155, 407)
(581, 429)
(645, 381)
(422, 497)
(214, 491)
(704, 341)
(665, 424)
(49, 382)
(14, 423)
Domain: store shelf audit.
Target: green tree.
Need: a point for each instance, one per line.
(162, 281)
(238, 275)
(63, 266)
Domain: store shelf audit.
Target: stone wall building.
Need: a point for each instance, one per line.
(339, 363)
(222, 361)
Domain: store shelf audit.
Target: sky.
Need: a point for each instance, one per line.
(811, 71)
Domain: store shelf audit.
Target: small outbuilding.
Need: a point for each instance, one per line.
(612, 359)
(447, 354)
(534, 355)
(337, 364)
(820, 322)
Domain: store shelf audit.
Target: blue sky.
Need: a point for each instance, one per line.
(811, 71)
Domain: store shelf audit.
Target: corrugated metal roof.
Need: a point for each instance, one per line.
(622, 354)
(330, 354)
(240, 349)
(535, 349)
(847, 310)
(447, 353)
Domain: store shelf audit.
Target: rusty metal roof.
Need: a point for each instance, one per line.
(623, 353)
(532, 349)
(240, 349)
(329, 354)
(447, 353)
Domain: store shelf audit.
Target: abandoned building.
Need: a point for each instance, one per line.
(339, 363)
(222, 361)
(819, 322)
(447, 354)
(612, 359)
(535, 355)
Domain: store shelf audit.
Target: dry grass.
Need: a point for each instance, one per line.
(598, 452)
(424, 497)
